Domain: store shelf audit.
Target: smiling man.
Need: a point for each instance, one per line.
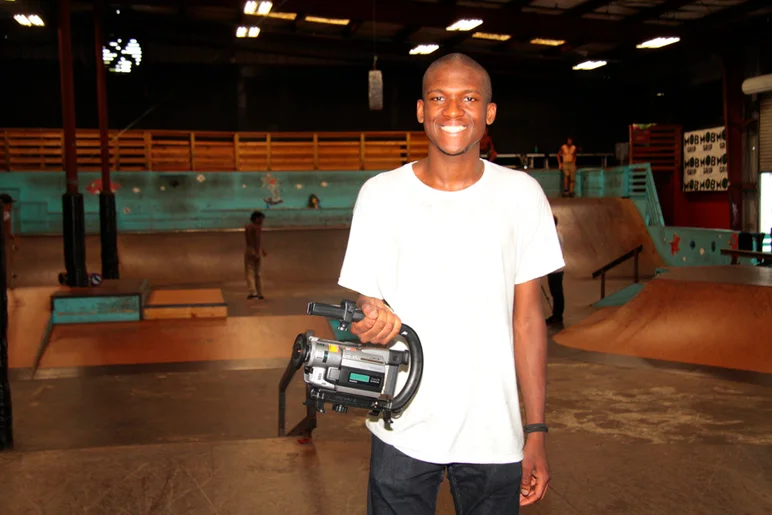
(456, 246)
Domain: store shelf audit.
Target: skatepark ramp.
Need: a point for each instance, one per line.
(596, 231)
(715, 316)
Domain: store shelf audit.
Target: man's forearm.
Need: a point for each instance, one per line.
(531, 366)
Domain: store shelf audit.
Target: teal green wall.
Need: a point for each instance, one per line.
(170, 201)
(173, 201)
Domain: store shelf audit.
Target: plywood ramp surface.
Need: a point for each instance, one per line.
(696, 322)
(185, 297)
(177, 341)
(597, 231)
(29, 310)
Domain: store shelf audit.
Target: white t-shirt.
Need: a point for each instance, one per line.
(447, 263)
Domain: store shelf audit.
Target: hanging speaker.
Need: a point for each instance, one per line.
(375, 90)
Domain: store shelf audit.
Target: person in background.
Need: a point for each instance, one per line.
(555, 282)
(486, 145)
(11, 245)
(254, 254)
(567, 164)
(313, 202)
(7, 222)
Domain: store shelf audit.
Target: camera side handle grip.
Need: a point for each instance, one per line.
(337, 312)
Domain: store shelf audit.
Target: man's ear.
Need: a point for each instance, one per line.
(490, 115)
(420, 111)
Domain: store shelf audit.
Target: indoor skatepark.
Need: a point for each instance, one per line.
(161, 391)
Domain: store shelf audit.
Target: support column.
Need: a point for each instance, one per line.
(74, 228)
(733, 121)
(108, 228)
(6, 412)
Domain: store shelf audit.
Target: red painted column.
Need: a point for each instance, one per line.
(733, 120)
(108, 231)
(73, 214)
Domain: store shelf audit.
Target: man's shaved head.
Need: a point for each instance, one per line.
(463, 60)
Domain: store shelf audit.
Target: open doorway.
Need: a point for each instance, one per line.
(765, 208)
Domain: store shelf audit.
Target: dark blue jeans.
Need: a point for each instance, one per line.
(401, 485)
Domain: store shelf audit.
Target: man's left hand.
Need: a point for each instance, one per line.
(536, 474)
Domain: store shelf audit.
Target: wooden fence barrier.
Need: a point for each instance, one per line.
(42, 150)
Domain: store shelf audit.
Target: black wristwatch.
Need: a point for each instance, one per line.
(536, 428)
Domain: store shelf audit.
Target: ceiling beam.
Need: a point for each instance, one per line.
(586, 8)
(730, 14)
(516, 5)
(504, 20)
(656, 11)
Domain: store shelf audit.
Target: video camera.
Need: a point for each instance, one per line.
(350, 374)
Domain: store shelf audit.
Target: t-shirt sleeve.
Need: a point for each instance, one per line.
(360, 263)
(539, 251)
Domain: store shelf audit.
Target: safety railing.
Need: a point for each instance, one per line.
(764, 258)
(306, 426)
(138, 150)
(613, 264)
(641, 185)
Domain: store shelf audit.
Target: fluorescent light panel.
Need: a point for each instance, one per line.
(658, 42)
(330, 21)
(283, 16)
(548, 42)
(424, 49)
(589, 65)
(29, 20)
(464, 25)
(247, 32)
(494, 37)
(257, 8)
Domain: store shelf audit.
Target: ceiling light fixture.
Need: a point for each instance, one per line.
(548, 42)
(258, 8)
(264, 8)
(283, 16)
(464, 25)
(658, 42)
(120, 58)
(424, 49)
(29, 20)
(589, 65)
(330, 21)
(494, 37)
(247, 32)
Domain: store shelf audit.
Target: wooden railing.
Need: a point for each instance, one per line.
(136, 150)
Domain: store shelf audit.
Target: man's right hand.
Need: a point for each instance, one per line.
(380, 324)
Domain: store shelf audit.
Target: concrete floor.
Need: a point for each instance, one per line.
(628, 436)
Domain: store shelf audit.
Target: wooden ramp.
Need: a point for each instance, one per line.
(171, 304)
(714, 316)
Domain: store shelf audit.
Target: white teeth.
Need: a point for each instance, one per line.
(453, 128)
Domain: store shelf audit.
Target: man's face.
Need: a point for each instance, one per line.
(455, 109)
(569, 142)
